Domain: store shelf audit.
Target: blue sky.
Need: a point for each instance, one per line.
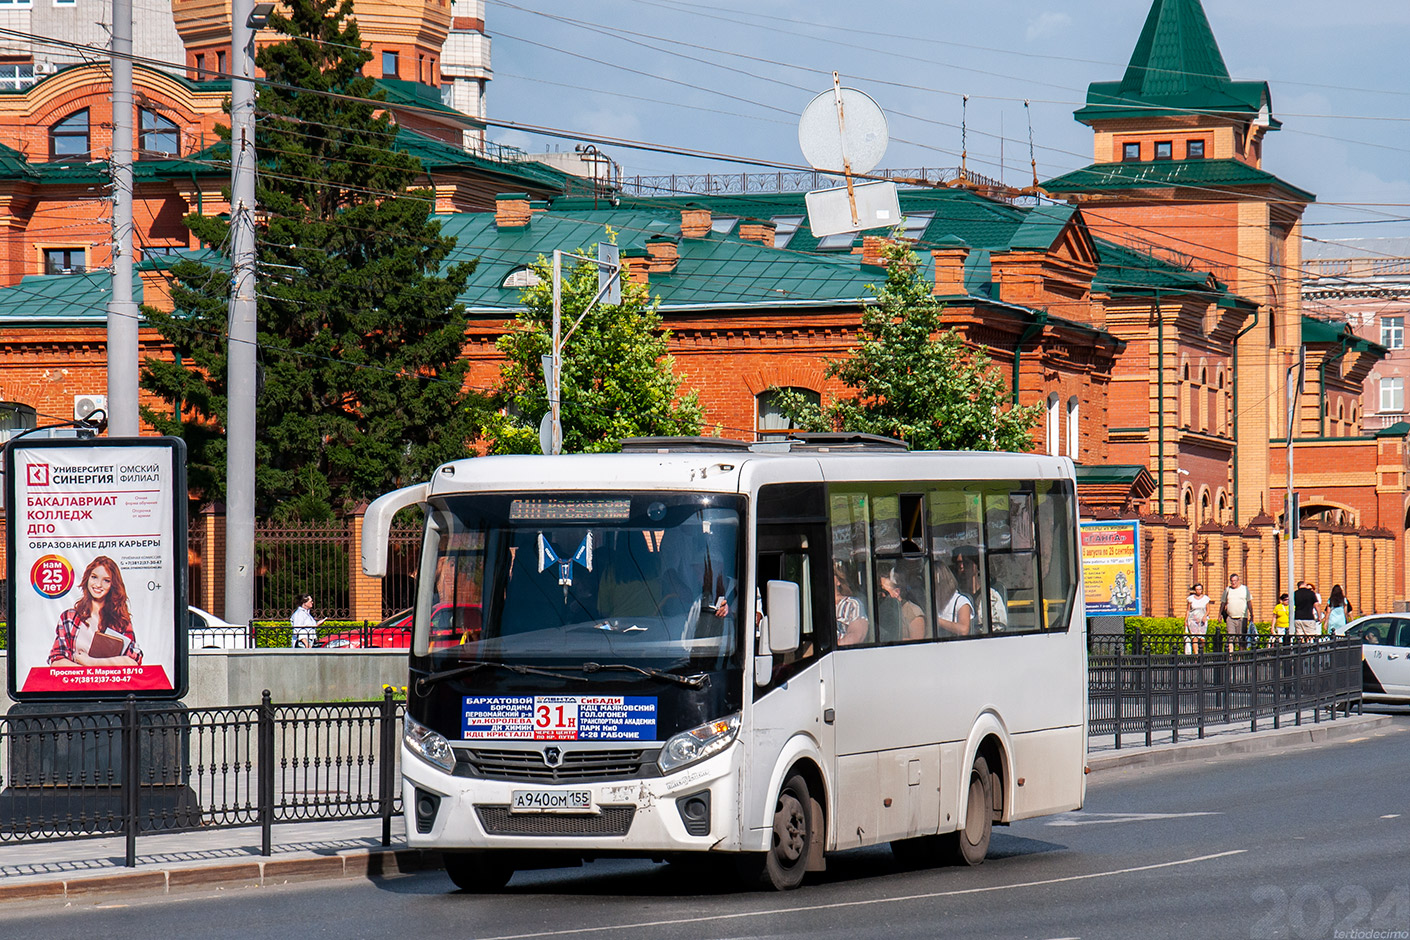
(731, 77)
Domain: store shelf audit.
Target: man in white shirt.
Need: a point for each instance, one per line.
(1236, 607)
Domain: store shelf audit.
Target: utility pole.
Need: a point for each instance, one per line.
(609, 291)
(1290, 505)
(122, 311)
(240, 412)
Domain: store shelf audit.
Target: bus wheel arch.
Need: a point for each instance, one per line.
(996, 758)
(817, 811)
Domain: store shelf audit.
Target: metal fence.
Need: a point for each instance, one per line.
(91, 770)
(304, 559)
(1151, 684)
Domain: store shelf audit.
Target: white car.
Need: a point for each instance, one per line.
(207, 631)
(1385, 656)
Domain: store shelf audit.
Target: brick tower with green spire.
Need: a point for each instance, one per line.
(1177, 172)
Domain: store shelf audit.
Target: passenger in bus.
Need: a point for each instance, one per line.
(954, 609)
(968, 575)
(897, 617)
(852, 622)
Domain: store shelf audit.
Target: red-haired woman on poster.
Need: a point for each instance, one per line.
(100, 615)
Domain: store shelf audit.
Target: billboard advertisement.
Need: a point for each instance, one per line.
(97, 568)
(1111, 568)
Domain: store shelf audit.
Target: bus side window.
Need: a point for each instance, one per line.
(852, 568)
(956, 561)
(1011, 561)
(1055, 552)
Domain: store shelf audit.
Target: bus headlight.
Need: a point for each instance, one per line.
(698, 743)
(426, 744)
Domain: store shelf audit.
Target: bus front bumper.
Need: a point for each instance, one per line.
(648, 815)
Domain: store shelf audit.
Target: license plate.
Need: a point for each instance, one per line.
(552, 801)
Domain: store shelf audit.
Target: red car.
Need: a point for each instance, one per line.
(395, 631)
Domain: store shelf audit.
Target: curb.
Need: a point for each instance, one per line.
(1257, 742)
(365, 863)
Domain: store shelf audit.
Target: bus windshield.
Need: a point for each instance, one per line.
(593, 577)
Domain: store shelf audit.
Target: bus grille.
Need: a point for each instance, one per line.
(611, 821)
(576, 766)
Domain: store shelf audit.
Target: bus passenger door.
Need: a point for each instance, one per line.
(790, 702)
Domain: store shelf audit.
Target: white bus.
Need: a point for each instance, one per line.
(773, 651)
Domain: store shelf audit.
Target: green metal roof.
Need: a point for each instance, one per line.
(14, 166)
(713, 272)
(1125, 270)
(1176, 68)
(61, 298)
(1194, 174)
(1315, 330)
(1108, 474)
(439, 156)
(424, 97)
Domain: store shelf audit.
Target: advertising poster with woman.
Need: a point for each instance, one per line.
(97, 570)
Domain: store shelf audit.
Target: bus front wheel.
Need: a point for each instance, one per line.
(783, 866)
(970, 843)
(478, 872)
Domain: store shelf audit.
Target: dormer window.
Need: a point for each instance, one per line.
(521, 278)
(69, 137)
(1194, 150)
(1130, 152)
(1164, 150)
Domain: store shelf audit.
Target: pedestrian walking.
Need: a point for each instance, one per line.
(1196, 619)
(1304, 610)
(305, 627)
(1280, 615)
(1338, 611)
(1236, 609)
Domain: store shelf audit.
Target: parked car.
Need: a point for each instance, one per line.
(206, 631)
(392, 633)
(451, 624)
(1385, 656)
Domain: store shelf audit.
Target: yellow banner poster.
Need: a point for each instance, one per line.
(1111, 567)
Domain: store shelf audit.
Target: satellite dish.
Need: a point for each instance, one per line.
(843, 129)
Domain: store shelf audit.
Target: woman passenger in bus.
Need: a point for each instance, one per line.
(967, 574)
(851, 617)
(954, 609)
(898, 619)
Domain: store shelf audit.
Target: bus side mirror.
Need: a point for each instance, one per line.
(784, 623)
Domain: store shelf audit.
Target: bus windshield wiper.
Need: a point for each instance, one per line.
(430, 679)
(690, 682)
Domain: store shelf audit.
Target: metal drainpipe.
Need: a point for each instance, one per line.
(1234, 393)
(1322, 389)
(1160, 401)
(1030, 331)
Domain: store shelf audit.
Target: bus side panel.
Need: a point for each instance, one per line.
(1050, 763)
(773, 725)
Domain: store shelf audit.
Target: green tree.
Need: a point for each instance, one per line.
(360, 338)
(914, 380)
(617, 380)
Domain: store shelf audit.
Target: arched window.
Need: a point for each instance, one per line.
(1204, 510)
(69, 137)
(1073, 431)
(158, 137)
(1187, 505)
(772, 421)
(1223, 508)
(521, 278)
(1054, 417)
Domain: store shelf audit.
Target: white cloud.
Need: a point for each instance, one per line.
(1047, 25)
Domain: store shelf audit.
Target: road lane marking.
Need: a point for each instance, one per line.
(1391, 816)
(868, 902)
(1092, 819)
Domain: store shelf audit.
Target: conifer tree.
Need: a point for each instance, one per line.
(360, 382)
(617, 379)
(912, 379)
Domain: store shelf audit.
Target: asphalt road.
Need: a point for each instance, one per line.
(1309, 843)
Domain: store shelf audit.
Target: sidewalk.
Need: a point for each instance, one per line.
(221, 857)
(353, 849)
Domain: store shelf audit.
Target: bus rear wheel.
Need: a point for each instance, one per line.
(478, 872)
(783, 866)
(970, 843)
